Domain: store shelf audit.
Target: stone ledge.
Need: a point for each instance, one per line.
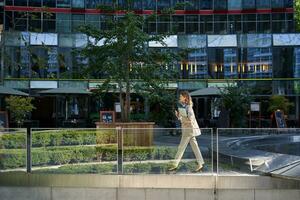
(147, 181)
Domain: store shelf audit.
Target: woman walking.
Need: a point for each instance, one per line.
(190, 130)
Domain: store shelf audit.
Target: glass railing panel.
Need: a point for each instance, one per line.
(258, 151)
(74, 151)
(153, 151)
(12, 150)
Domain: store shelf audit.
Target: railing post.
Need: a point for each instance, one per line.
(28, 150)
(120, 149)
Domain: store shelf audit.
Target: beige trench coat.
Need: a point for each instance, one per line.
(189, 123)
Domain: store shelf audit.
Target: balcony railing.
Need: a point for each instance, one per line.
(150, 151)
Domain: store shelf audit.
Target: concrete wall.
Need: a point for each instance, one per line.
(145, 187)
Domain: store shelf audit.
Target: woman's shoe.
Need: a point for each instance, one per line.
(173, 168)
(199, 168)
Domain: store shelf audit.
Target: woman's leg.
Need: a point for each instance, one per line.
(181, 148)
(196, 150)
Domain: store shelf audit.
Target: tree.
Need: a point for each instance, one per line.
(236, 99)
(19, 108)
(297, 13)
(125, 60)
(279, 102)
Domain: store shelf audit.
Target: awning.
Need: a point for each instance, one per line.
(10, 91)
(211, 91)
(66, 91)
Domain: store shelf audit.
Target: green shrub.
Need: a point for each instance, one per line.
(10, 158)
(13, 140)
(106, 137)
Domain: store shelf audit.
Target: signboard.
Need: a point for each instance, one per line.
(3, 119)
(255, 106)
(117, 107)
(107, 116)
(279, 117)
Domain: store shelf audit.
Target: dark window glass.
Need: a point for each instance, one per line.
(278, 23)
(63, 3)
(20, 3)
(248, 4)
(234, 24)
(92, 20)
(277, 3)
(249, 23)
(206, 24)
(9, 2)
(149, 5)
(35, 22)
(49, 3)
(49, 20)
(288, 3)
(77, 21)
(17, 62)
(192, 5)
(283, 62)
(20, 21)
(263, 23)
(161, 4)
(220, 4)
(8, 20)
(192, 24)
(234, 4)
(46, 57)
(63, 23)
(35, 3)
(178, 24)
(77, 3)
(206, 5)
(263, 4)
(220, 24)
(92, 4)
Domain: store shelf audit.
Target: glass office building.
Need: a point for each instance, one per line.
(250, 41)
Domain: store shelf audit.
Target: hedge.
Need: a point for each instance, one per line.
(58, 138)
(146, 168)
(16, 158)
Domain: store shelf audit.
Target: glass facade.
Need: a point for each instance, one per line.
(230, 39)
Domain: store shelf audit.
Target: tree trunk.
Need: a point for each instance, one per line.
(127, 102)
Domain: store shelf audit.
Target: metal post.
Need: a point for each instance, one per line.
(28, 152)
(119, 131)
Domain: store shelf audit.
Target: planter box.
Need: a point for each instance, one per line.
(134, 133)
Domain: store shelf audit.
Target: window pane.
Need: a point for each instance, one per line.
(277, 3)
(77, 3)
(149, 5)
(49, 3)
(49, 22)
(288, 3)
(263, 4)
(206, 5)
(92, 3)
(220, 4)
(63, 23)
(20, 21)
(283, 62)
(20, 3)
(77, 21)
(234, 4)
(35, 3)
(35, 22)
(248, 4)
(9, 2)
(161, 4)
(63, 3)
(192, 5)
